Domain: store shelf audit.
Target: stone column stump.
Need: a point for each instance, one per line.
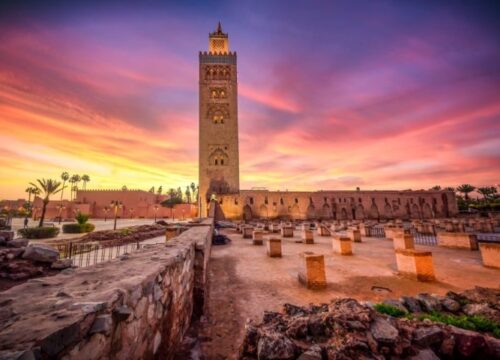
(354, 235)
(490, 253)
(405, 242)
(312, 275)
(459, 240)
(308, 236)
(342, 245)
(287, 231)
(275, 228)
(247, 232)
(274, 247)
(416, 264)
(323, 230)
(258, 237)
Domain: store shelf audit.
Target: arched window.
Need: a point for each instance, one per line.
(222, 161)
(216, 162)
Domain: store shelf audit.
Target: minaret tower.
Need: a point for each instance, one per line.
(218, 120)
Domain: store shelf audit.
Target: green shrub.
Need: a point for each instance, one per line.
(81, 218)
(476, 323)
(125, 231)
(75, 228)
(389, 310)
(44, 232)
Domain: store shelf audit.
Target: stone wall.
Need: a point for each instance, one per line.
(138, 306)
(339, 205)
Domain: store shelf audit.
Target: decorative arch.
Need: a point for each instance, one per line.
(263, 211)
(374, 214)
(359, 212)
(415, 211)
(247, 213)
(343, 214)
(327, 213)
(218, 113)
(295, 211)
(218, 157)
(427, 211)
(311, 212)
(388, 213)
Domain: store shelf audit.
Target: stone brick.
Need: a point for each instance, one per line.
(313, 274)
(342, 245)
(415, 263)
(274, 247)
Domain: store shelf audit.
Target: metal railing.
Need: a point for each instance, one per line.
(488, 237)
(423, 239)
(84, 255)
(376, 231)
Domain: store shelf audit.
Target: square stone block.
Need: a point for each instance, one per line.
(459, 240)
(308, 236)
(392, 232)
(342, 245)
(258, 237)
(354, 235)
(364, 229)
(247, 232)
(405, 242)
(323, 230)
(490, 253)
(287, 231)
(415, 264)
(275, 228)
(274, 247)
(312, 274)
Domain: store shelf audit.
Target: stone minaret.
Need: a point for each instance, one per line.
(219, 155)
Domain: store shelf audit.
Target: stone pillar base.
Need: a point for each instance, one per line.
(274, 247)
(308, 236)
(287, 231)
(354, 235)
(415, 264)
(324, 231)
(490, 253)
(313, 273)
(342, 245)
(405, 242)
(247, 232)
(460, 240)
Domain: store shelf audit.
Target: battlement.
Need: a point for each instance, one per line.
(208, 57)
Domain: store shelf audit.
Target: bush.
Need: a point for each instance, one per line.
(81, 218)
(75, 228)
(44, 232)
(389, 310)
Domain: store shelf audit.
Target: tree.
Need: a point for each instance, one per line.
(193, 192)
(85, 179)
(173, 199)
(29, 190)
(466, 189)
(188, 195)
(64, 178)
(124, 188)
(488, 192)
(47, 187)
(179, 193)
(160, 189)
(152, 190)
(436, 187)
(449, 188)
(75, 179)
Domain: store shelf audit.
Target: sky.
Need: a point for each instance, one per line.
(332, 94)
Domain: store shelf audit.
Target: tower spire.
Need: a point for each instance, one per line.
(219, 28)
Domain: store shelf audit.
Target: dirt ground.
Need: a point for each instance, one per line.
(244, 282)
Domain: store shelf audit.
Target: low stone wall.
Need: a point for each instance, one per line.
(138, 306)
(490, 253)
(458, 240)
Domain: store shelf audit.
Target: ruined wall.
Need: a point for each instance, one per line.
(339, 205)
(138, 306)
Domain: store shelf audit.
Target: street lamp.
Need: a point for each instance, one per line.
(105, 209)
(116, 204)
(183, 214)
(131, 210)
(156, 207)
(60, 207)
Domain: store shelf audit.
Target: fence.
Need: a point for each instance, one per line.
(376, 231)
(84, 255)
(423, 239)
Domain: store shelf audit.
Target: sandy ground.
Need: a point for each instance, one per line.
(244, 282)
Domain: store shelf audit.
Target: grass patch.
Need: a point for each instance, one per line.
(389, 310)
(475, 323)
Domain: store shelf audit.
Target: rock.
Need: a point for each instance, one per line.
(426, 336)
(383, 331)
(450, 305)
(493, 347)
(297, 328)
(293, 310)
(275, 346)
(428, 302)
(122, 313)
(316, 326)
(250, 340)
(61, 264)
(90, 307)
(482, 295)
(411, 304)
(396, 303)
(68, 271)
(102, 325)
(480, 310)
(18, 243)
(426, 354)
(269, 316)
(313, 353)
(41, 252)
(467, 343)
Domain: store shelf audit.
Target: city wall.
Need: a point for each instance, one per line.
(340, 205)
(138, 306)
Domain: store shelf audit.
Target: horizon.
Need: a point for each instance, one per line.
(394, 97)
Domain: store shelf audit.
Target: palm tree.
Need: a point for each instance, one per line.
(487, 191)
(466, 189)
(85, 179)
(64, 178)
(29, 190)
(48, 187)
(436, 187)
(75, 179)
(188, 195)
(193, 190)
(449, 188)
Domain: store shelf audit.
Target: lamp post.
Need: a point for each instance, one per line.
(60, 207)
(115, 204)
(156, 207)
(105, 209)
(173, 217)
(131, 210)
(183, 214)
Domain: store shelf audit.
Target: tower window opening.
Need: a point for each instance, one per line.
(281, 201)
(216, 162)
(296, 200)
(222, 161)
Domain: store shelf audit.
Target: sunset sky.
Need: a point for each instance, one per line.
(332, 94)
